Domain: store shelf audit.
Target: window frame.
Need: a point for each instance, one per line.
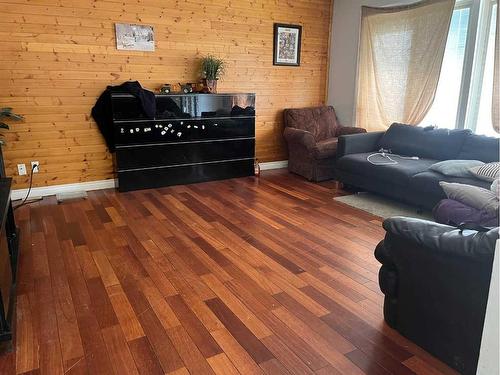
(466, 79)
(476, 48)
(480, 55)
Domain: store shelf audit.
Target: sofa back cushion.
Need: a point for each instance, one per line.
(480, 147)
(430, 143)
(320, 121)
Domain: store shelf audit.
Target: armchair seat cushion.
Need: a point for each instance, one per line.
(347, 130)
(325, 149)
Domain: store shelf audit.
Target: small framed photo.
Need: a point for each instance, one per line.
(134, 37)
(287, 40)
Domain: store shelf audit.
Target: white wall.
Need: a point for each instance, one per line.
(344, 54)
(490, 346)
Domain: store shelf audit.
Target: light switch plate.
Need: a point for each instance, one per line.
(21, 169)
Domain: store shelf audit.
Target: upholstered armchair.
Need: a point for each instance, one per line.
(312, 135)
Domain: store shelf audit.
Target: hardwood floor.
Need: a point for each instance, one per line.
(242, 276)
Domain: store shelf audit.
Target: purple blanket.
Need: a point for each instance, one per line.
(451, 212)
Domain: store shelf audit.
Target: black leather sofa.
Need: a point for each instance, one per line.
(436, 281)
(409, 180)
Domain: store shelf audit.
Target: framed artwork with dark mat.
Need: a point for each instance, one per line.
(287, 41)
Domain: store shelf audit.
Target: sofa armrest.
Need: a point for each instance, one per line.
(358, 143)
(443, 239)
(346, 130)
(299, 137)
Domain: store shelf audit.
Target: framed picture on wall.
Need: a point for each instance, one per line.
(287, 40)
(134, 37)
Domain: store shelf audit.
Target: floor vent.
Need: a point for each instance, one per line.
(71, 196)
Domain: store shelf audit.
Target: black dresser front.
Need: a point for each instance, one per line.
(193, 138)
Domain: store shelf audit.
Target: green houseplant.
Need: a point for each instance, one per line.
(212, 69)
(6, 114)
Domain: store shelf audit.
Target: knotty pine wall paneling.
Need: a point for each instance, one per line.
(57, 56)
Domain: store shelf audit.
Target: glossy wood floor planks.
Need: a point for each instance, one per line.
(243, 276)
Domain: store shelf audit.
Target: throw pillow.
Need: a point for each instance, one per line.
(473, 196)
(495, 187)
(456, 168)
(487, 172)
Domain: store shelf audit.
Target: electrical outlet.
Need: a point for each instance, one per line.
(35, 166)
(21, 169)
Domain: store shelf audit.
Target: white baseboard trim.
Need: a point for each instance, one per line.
(273, 165)
(44, 191)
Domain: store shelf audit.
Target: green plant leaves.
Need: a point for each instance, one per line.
(212, 67)
(7, 112)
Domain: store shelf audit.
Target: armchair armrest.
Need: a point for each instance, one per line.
(346, 130)
(299, 137)
(358, 143)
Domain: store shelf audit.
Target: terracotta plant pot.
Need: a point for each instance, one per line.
(211, 85)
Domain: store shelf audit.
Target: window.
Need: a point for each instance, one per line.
(448, 90)
(464, 94)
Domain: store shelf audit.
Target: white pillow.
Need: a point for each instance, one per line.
(473, 196)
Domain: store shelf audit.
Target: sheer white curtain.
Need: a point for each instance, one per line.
(495, 116)
(400, 57)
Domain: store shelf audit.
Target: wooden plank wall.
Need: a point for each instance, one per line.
(57, 56)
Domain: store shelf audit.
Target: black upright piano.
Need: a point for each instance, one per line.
(193, 138)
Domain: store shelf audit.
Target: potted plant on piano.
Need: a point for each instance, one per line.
(212, 69)
(6, 114)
